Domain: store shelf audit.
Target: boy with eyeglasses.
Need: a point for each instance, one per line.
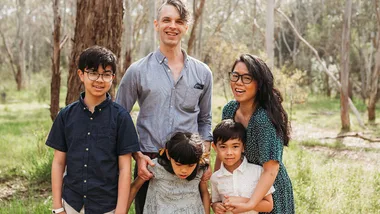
(93, 138)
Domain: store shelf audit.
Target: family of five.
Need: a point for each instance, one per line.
(94, 139)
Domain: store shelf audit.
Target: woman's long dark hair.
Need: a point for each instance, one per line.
(184, 148)
(267, 96)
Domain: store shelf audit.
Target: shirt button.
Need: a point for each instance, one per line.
(85, 181)
(84, 196)
(85, 165)
(88, 133)
(86, 149)
(169, 70)
(90, 118)
(84, 108)
(100, 109)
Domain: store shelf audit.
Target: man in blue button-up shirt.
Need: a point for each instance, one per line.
(172, 89)
(94, 137)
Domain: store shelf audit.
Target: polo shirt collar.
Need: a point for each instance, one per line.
(103, 104)
(241, 168)
(161, 57)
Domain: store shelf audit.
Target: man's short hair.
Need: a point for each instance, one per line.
(183, 11)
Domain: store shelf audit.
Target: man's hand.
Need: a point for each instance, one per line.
(142, 163)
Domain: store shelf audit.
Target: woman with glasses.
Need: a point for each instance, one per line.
(258, 107)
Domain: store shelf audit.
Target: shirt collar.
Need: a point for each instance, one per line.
(161, 58)
(241, 168)
(103, 104)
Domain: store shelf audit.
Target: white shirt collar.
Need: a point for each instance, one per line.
(241, 168)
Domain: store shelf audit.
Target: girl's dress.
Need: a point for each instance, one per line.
(263, 144)
(169, 194)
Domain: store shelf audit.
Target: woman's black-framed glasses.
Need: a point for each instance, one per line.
(245, 78)
(92, 75)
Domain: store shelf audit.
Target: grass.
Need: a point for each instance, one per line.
(322, 183)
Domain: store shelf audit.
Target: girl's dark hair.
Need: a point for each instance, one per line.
(267, 96)
(94, 56)
(184, 148)
(229, 129)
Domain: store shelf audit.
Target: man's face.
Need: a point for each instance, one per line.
(170, 27)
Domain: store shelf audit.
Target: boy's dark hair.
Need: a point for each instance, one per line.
(94, 56)
(184, 148)
(183, 11)
(229, 129)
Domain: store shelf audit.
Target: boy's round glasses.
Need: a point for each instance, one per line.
(245, 78)
(92, 75)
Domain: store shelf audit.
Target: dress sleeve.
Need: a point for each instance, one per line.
(270, 144)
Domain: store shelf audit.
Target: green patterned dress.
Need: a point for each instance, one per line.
(263, 144)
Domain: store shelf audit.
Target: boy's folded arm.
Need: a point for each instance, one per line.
(265, 205)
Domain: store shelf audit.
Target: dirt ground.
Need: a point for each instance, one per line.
(358, 149)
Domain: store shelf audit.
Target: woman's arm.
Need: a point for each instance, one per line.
(265, 205)
(266, 180)
(205, 196)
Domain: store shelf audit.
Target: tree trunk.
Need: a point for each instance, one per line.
(269, 33)
(345, 71)
(94, 26)
(332, 77)
(197, 15)
(55, 84)
(375, 74)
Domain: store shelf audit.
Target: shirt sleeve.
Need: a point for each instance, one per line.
(127, 92)
(205, 114)
(215, 196)
(57, 138)
(127, 140)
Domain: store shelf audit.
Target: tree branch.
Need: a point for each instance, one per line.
(336, 81)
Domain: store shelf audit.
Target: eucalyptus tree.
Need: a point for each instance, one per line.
(98, 22)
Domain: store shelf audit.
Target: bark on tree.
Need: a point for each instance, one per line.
(197, 14)
(337, 83)
(375, 74)
(344, 68)
(55, 84)
(94, 26)
(269, 33)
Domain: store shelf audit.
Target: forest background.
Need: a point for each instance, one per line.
(325, 56)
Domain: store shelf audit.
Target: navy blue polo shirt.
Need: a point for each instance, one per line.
(92, 143)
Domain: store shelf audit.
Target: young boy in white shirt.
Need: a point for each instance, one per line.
(236, 179)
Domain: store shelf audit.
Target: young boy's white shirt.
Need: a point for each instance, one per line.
(242, 182)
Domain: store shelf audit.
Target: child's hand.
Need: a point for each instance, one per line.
(207, 175)
(218, 208)
(142, 163)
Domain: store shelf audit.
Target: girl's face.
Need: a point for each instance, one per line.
(243, 92)
(182, 170)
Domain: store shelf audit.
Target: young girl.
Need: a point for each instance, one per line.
(176, 183)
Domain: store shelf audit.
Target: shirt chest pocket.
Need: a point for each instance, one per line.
(191, 99)
(106, 138)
